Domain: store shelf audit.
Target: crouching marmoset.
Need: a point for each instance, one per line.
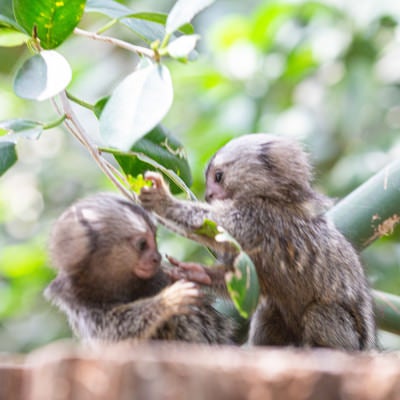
(313, 288)
(111, 284)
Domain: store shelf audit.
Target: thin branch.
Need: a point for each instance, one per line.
(143, 51)
(74, 126)
(116, 171)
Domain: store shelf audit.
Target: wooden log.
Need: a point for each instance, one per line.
(173, 371)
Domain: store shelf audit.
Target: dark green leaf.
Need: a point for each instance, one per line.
(8, 156)
(20, 128)
(99, 106)
(55, 19)
(163, 148)
(42, 76)
(243, 285)
(136, 106)
(183, 11)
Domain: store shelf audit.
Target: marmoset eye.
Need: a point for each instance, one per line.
(141, 244)
(218, 176)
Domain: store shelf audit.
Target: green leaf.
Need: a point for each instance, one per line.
(110, 8)
(148, 30)
(212, 230)
(161, 18)
(99, 106)
(8, 156)
(242, 282)
(20, 128)
(42, 76)
(243, 285)
(55, 19)
(12, 38)
(136, 106)
(208, 229)
(183, 12)
(182, 46)
(137, 183)
(162, 147)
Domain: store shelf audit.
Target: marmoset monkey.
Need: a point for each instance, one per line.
(313, 287)
(110, 283)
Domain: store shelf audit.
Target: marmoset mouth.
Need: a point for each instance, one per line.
(145, 272)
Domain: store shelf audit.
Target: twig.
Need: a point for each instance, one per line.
(73, 125)
(115, 171)
(117, 42)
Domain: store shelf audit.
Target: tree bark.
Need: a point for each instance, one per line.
(173, 371)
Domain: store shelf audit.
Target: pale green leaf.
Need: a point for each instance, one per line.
(182, 46)
(42, 76)
(183, 12)
(243, 285)
(20, 128)
(12, 38)
(136, 106)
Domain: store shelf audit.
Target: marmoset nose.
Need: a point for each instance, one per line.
(156, 258)
(209, 196)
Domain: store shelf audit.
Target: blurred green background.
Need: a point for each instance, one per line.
(327, 73)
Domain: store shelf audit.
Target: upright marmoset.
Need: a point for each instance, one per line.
(314, 291)
(111, 285)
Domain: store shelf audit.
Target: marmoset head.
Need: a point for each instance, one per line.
(106, 238)
(259, 165)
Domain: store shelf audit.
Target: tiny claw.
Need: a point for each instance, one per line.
(172, 260)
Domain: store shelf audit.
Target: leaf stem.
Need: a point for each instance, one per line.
(55, 123)
(107, 26)
(79, 101)
(165, 41)
(168, 172)
(143, 51)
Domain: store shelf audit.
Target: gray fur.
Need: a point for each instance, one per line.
(314, 290)
(103, 299)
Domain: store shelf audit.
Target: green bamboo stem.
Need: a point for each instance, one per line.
(366, 214)
(372, 210)
(387, 311)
